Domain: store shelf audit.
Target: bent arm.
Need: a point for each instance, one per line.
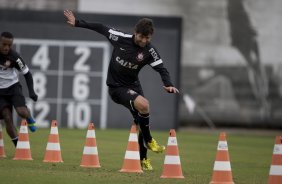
(157, 63)
(168, 86)
(29, 82)
(164, 74)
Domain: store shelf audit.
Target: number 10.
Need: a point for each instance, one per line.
(79, 115)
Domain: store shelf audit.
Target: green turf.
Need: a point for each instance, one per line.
(250, 159)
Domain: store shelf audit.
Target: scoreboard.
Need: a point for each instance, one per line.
(69, 79)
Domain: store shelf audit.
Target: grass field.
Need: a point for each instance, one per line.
(250, 158)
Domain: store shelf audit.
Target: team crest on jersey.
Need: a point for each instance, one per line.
(113, 37)
(7, 64)
(140, 56)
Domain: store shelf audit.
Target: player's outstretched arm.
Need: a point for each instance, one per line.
(95, 26)
(171, 89)
(70, 17)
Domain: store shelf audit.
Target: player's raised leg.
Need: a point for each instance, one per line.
(141, 104)
(23, 112)
(19, 103)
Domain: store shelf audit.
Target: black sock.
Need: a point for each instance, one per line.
(15, 141)
(142, 148)
(143, 121)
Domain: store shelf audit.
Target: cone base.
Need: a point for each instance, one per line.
(90, 166)
(53, 161)
(172, 171)
(53, 156)
(90, 161)
(22, 154)
(222, 177)
(22, 159)
(131, 171)
(275, 179)
(180, 177)
(130, 165)
(2, 153)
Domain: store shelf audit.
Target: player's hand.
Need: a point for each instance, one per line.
(70, 17)
(171, 89)
(33, 96)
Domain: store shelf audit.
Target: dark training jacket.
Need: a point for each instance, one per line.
(127, 58)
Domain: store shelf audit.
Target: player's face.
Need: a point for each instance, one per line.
(5, 45)
(142, 40)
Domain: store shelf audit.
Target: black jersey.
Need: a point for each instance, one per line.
(9, 65)
(127, 58)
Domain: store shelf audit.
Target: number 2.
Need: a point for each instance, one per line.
(80, 64)
(43, 109)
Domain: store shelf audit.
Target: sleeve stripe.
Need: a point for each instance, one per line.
(25, 70)
(156, 63)
(120, 33)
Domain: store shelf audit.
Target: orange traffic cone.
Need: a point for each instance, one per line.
(131, 161)
(23, 151)
(275, 173)
(90, 153)
(222, 168)
(53, 149)
(172, 165)
(2, 150)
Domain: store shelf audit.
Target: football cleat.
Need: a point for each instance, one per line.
(155, 147)
(146, 165)
(31, 124)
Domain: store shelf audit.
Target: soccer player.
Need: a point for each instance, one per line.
(130, 54)
(10, 88)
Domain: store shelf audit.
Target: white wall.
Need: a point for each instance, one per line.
(205, 27)
(144, 7)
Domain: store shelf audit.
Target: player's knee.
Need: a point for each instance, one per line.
(22, 112)
(141, 104)
(144, 107)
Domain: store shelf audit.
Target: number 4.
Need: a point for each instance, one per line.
(41, 58)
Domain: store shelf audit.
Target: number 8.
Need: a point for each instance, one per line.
(40, 84)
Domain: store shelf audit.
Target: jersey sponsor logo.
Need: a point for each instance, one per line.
(20, 64)
(113, 37)
(154, 54)
(6, 65)
(140, 56)
(126, 64)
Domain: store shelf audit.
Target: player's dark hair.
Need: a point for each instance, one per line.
(7, 35)
(145, 26)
